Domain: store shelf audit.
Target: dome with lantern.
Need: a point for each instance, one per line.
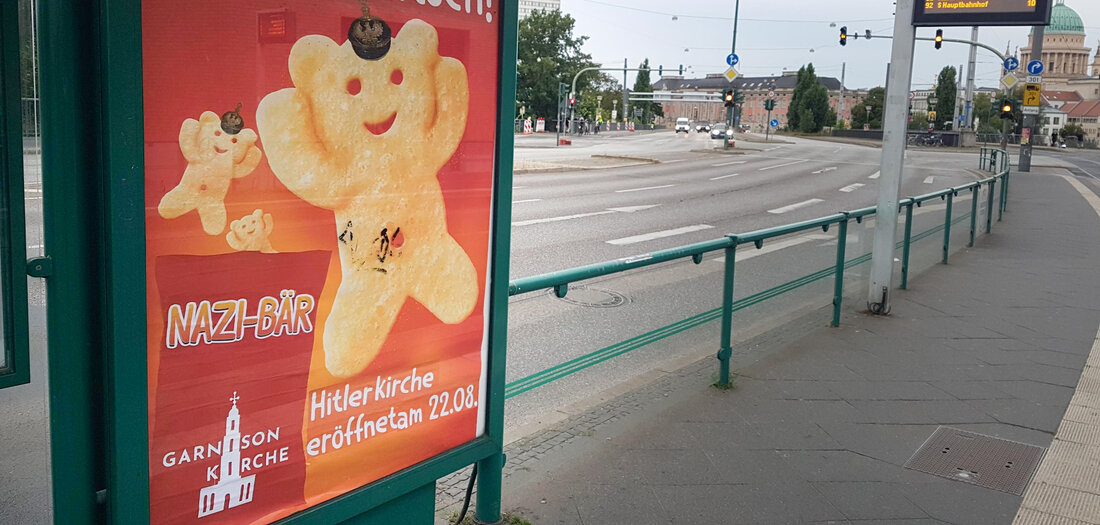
(1064, 53)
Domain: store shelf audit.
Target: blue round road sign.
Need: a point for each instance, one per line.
(1011, 63)
(774, 123)
(733, 59)
(1035, 67)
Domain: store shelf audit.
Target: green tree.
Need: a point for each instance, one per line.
(946, 91)
(643, 85)
(875, 98)
(548, 54)
(599, 98)
(919, 122)
(809, 103)
(983, 112)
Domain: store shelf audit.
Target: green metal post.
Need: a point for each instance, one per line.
(905, 246)
(973, 212)
(489, 482)
(1001, 200)
(989, 207)
(947, 228)
(838, 281)
(726, 350)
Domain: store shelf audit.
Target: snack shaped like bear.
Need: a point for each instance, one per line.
(366, 139)
(214, 158)
(252, 233)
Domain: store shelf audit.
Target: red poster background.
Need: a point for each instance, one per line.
(210, 55)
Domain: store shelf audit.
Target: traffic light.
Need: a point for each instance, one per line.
(844, 36)
(727, 97)
(868, 33)
(572, 102)
(1006, 109)
(939, 38)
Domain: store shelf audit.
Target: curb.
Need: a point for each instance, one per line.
(646, 160)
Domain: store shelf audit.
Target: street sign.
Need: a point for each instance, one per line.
(1029, 110)
(1011, 63)
(912, 95)
(774, 123)
(771, 94)
(732, 59)
(1032, 94)
(1034, 79)
(1009, 80)
(1035, 67)
(932, 115)
(731, 74)
(928, 13)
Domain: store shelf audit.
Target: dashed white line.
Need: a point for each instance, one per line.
(825, 170)
(659, 235)
(562, 218)
(728, 163)
(673, 161)
(851, 187)
(775, 246)
(526, 200)
(795, 206)
(875, 175)
(787, 164)
(726, 176)
(929, 180)
(518, 187)
(645, 189)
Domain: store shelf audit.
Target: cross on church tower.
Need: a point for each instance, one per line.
(234, 398)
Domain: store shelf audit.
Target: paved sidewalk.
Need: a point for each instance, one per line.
(819, 430)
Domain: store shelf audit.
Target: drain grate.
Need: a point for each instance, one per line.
(977, 459)
(593, 297)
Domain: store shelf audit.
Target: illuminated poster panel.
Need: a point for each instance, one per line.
(981, 12)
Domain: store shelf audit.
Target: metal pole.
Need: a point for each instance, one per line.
(838, 279)
(1031, 120)
(726, 350)
(489, 482)
(905, 245)
(974, 213)
(989, 207)
(736, 10)
(947, 227)
(840, 103)
(970, 78)
(958, 107)
(624, 94)
(893, 151)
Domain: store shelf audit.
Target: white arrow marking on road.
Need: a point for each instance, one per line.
(795, 206)
(851, 187)
(728, 163)
(625, 209)
(787, 164)
(726, 176)
(825, 170)
(928, 180)
(875, 175)
(645, 189)
(526, 200)
(659, 235)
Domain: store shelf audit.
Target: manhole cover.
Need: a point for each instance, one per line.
(977, 459)
(593, 297)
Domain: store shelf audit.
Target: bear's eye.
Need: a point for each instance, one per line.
(396, 77)
(354, 86)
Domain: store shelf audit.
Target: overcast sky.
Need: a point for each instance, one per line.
(773, 35)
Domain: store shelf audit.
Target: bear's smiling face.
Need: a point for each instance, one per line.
(375, 108)
(216, 144)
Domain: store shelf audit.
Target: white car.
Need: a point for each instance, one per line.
(683, 124)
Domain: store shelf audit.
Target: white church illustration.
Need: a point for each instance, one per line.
(231, 490)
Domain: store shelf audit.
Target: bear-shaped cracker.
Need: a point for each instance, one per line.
(366, 139)
(214, 158)
(252, 233)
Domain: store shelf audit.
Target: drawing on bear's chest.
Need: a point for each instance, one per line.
(370, 255)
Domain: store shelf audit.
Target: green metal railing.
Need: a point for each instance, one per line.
(990, 159)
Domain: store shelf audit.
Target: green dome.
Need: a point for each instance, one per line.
(1064, 21)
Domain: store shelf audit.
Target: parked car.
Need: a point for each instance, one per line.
(702, 126)
(718, 131)
(683, 124)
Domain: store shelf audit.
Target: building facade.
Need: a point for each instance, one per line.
(1065, 57)
(755, 91)
(526, 7)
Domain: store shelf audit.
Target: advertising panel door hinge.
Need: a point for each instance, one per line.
(40, 266)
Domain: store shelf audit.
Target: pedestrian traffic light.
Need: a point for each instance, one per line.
(1006, 110)
(844, 36)
(572, 102)
(939, 38)
(727, 97)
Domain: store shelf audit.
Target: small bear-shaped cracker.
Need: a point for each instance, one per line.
(251, 233)
(214, 157)
(366, 139)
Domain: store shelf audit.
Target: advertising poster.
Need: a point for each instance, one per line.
(318, 194)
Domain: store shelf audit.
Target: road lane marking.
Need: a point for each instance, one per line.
(673, 161)
(526, 200)
(625, 209)
(875, 175)
(851, 187)
(836, 150)
(825, 170)
(929, 180)
(770, 247)
(726, 176)
(795, 206)
(659, 235)
(518, 187)
(769, 149)
(645, 189)
(728, 163)
(787, 164)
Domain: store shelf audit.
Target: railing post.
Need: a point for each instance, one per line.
(838, 284)
(989, 208)
(974, 191)
(905, 245)
(489, 481)
(947, 227)
(726, 350)
(1004, 197)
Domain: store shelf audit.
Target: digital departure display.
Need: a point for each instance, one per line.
(981, 12)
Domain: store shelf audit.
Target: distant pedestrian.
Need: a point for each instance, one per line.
(1054, 139)
(1080, 139)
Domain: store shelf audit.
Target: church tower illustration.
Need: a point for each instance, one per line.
(231, 489)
